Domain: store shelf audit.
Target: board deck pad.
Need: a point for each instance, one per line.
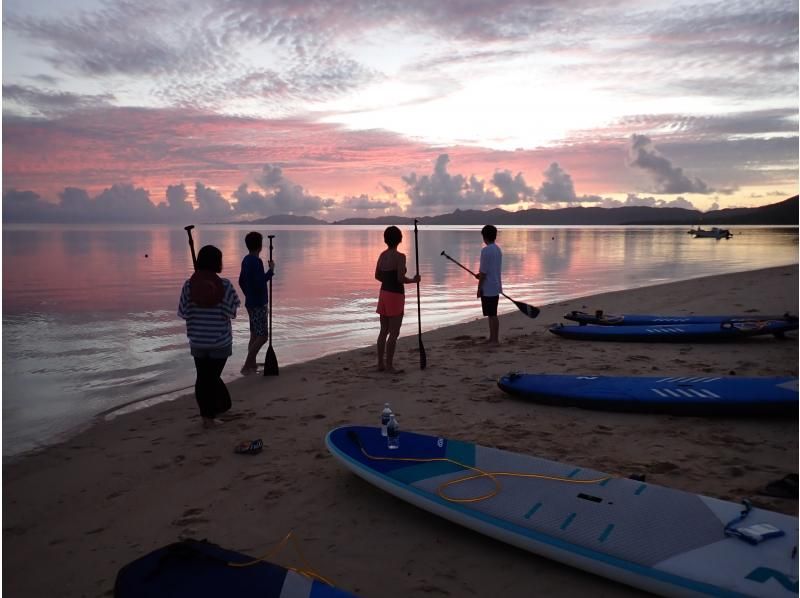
(605, 319)
(675, 395)
(725, 331)
(655, 538)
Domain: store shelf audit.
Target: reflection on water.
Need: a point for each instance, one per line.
(89, 312)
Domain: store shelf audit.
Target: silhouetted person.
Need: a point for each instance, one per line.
(208, 303)
(490, 284)
(253, 282)
(391, 272)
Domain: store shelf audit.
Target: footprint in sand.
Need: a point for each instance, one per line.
(274, 494)
(639, 358)
(95, 531)
(15, 530)
(662, 467)
(315, 416)
(190, 516)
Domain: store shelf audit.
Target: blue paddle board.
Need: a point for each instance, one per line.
(677, 395)
(603, 319)
(200, 569)
(676, 333)
(657, 539)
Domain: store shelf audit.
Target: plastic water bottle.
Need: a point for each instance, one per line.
(386, 415)
(393, 433)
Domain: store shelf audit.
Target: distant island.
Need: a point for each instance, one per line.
(784, 212)
(285, 219)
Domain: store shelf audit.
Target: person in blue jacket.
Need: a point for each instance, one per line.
(253, 282)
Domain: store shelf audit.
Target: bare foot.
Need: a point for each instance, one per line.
(391, 370)
(247, 370)
(381, 367)
(211, 422)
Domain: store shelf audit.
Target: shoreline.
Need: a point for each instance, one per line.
(29, 442)
(124, 408)
(133, 483)
(170, 395)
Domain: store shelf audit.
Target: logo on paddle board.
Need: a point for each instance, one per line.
(440, 442)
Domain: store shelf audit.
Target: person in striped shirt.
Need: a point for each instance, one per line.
(208, 303)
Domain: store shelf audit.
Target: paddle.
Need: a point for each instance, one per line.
(423, 359)
(528, 310)
(270, 361)
(188, 230)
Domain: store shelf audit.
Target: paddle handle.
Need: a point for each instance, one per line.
(416, 246)
(188, 230)
(528, 310)
(270, 360)
(459, 264)
(423, 359)
(270, 290)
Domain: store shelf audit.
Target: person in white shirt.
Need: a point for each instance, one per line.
(490, 284)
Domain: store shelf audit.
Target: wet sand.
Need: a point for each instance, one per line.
(76, 512)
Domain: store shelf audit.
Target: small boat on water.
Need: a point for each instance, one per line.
(714, 233)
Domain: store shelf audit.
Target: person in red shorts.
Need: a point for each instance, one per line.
(391, 272)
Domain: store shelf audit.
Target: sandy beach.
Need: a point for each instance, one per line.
(76, 512)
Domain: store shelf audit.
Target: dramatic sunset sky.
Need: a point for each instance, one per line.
(221, 110)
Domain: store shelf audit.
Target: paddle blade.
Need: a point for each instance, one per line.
(270, 362)
(423, 358)
(528, 310)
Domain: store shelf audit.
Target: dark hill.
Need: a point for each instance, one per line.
(784, 212)
(288, 219)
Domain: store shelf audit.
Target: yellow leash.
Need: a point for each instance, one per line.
(306, 570)
(492, 475)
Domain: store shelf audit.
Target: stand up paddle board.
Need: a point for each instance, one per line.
(204, 570)
(676, 395)
(603, 319)
(726, 331)
(658, 539)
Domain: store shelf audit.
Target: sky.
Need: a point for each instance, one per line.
(226, 110)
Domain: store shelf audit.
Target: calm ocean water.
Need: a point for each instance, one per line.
(89, 317)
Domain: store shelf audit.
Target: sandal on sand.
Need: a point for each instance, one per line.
(249, 448)
(783, 488)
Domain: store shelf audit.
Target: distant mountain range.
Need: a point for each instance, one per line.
(784, 212)
(286, 219)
